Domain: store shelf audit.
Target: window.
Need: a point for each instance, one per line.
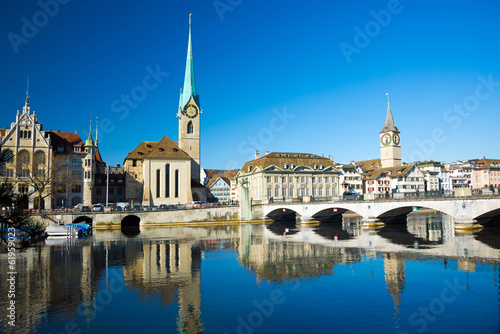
(319, 178)
(158, 183)
(327, 191)
(269, 192)
(134, 163)
(190, 127)
(60, 148)
(276, 192)
(76, 189)
(268, 179)
(23, 188)
(24, 158)
(9, 157)
(77, 163)
(314, 192)
(290, 192)
(167, 180)
(176, 180)
(276, 179)
(283, 192)
(283, 179)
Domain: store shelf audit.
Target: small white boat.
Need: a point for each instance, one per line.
(61, 230)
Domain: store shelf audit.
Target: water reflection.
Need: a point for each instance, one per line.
(62, 279)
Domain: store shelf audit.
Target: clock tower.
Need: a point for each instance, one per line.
(390, 141)
(189, 115)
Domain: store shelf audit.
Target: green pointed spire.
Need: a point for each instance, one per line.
(189, 82)
(90, 140)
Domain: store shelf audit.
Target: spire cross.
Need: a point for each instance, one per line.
(190, 18)
(387, 94)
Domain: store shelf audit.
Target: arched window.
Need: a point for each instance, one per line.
(157, 183)
(40, 158)
(9, 157)
(176, 183)
(29, 134)
(190, 127)
(24, 158)
(167, 180)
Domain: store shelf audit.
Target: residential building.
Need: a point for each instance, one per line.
(285, 175)
(486, 174)
(460, 173)
(351, 178)
(218, 183)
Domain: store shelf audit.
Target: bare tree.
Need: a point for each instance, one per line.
(46, 177)
(13, 217)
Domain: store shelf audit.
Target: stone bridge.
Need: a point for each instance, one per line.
(143, 218)
(465, 212)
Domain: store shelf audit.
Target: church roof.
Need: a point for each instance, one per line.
(189, 82)
(389, 121)
(165, 148)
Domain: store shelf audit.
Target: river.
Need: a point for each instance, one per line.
(415, 276)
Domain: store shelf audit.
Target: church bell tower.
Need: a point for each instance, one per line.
(390, 141)
(189, 114)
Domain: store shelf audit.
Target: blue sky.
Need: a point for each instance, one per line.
(272, 75)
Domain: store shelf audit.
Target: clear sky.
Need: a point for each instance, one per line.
(272, 75)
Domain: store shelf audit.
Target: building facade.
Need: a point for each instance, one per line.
(486, 174)
(283, 175)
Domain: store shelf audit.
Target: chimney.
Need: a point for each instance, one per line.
(267, 152)
(256, 154)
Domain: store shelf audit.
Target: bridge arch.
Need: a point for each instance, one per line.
(495, 213)
(131, 221)
(404, 210)
(83, 219)
(282, 214)
(130, 225)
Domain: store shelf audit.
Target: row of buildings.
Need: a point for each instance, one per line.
(61, 170)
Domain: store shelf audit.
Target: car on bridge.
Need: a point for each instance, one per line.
(86, 208)
(352, 196)
(98, 208)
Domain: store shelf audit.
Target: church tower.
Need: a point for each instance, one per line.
(390, 146)
(89, 168)
(189, 114)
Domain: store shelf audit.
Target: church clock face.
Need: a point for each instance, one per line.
(191, 110)
(386, 139)
(396, 139)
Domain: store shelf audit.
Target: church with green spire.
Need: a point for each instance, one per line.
(164, 171)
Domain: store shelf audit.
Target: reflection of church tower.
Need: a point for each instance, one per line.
(394, 269)
(390, 147)
(89, 168)
(189, 114)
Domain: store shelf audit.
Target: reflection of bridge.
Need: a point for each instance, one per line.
(388, 240)
(464, 211)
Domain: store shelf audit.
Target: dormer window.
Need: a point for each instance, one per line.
(284, 165)
(175, 149)
(249, 168)
(291, 165)
(139, 153)
(161, 149)
(320, 166)
(60, 149)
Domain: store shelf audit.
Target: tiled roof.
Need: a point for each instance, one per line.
(367, 165)
(392, 172)
(279, 158)
(68, 140)
(226, 175)
(165, 148)
(488, 163)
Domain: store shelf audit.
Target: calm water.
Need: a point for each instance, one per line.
(417, 276)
